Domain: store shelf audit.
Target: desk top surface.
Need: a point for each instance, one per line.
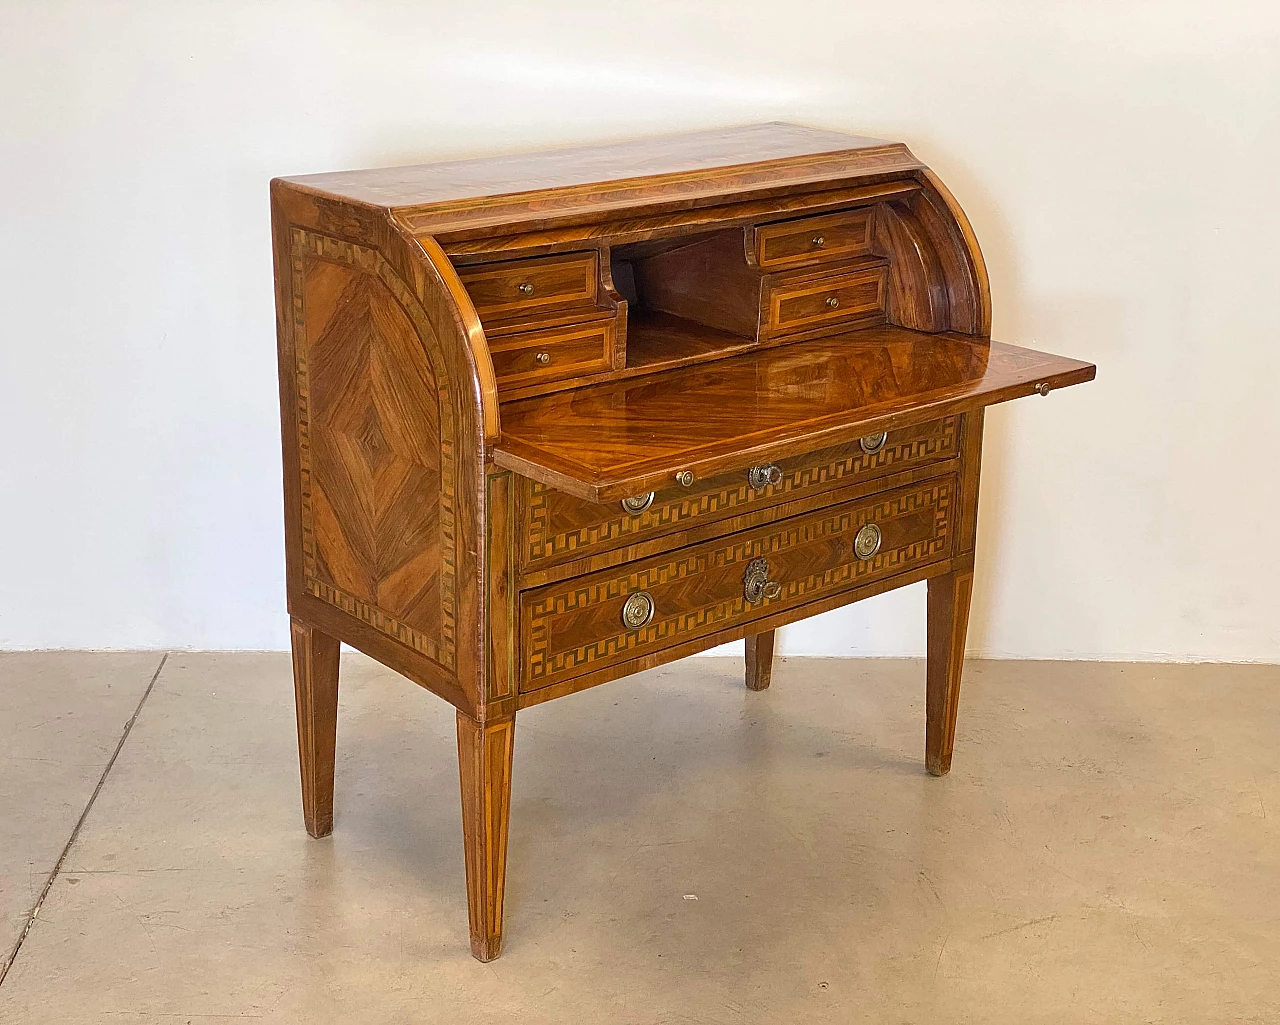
(626, 437)
(660, 157)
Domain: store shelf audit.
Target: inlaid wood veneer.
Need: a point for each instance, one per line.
(550, 420)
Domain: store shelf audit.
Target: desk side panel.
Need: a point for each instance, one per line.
(383, 421)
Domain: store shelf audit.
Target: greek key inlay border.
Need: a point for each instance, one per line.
(542, 542)
(542, 664)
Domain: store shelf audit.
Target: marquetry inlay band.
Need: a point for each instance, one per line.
(544, 538)
(545, 661)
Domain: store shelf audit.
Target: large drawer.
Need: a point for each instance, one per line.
(556, 526)
(589, 623)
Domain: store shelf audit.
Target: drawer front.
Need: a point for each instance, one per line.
(580, 625)
(556, 526)
(520, 288)
(532, 357)
(839, 236)
(817, 302)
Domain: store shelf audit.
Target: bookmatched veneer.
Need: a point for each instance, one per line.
(550, 420)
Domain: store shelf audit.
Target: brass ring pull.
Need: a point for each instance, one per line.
(637, 610)
(636, 504)
(760, 477)
(867, 541)
(756, 585)
(526, 288)
(873, 443)
(833, 302)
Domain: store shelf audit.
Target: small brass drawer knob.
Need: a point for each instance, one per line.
(636, 504)
(685, 478)
(637, 610)
(833, 302)
(526, 288)
(760, 477)
(873, 443)
(543, 357)
(756, 585)
(819, 242)
(1044, 387)
(867, 541)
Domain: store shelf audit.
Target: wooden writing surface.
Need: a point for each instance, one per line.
(621, 438)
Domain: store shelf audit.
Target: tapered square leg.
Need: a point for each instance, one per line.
(759, 660)
(484, 768)
(315, 688)
(948, 622)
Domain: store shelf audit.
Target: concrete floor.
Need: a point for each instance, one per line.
(682, 850)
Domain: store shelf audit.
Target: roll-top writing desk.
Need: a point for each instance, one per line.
(553, 419)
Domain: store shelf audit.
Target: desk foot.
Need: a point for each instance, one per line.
(315, 689)
(484, 768)
(759, 660)
(948, 623)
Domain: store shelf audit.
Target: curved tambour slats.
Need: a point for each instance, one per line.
(981, 316)
(468, 323)
(917, 290)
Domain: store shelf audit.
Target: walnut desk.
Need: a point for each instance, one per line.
(557, 418)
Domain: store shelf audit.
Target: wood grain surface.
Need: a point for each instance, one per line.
(623, 438)
(781, 332)
(759, 660)
(315, 683)
(556, 526)
(573, 627)
(690, 161)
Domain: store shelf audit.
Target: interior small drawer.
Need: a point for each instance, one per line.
(839, 236)
(543, 284)
(550, 355)
(576, 626)
(810, 302)
(556, 527)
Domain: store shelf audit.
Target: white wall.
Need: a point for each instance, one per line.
(1118, 162)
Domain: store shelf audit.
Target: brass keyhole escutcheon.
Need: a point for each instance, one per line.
(756, 585)
(873, 443)
(526, 288)
(637, 610)
(636, 504)
(760, 477)
(867, 541)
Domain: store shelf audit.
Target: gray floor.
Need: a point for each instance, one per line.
(682, 850)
